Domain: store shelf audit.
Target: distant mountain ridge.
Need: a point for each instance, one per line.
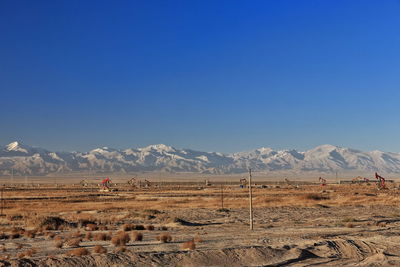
(27, 160)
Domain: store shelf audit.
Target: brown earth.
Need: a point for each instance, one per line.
(305, 225)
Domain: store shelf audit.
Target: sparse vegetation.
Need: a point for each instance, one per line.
(189, 245)
(101, 237)
(137, 236)
(120, 239)
(58, 243)
(164, 238)
(78, 252)
(73, 242)
(314, 196)
(149, 227)
(99, 249)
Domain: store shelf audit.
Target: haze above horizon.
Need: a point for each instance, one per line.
(211, 76)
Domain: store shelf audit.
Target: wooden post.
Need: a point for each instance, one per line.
(1, 201)
(250, 201)
(222, 197)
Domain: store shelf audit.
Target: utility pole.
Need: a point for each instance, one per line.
(2, 201)
(12, 176)
(222, 197)
(250, 201)
(337, 181)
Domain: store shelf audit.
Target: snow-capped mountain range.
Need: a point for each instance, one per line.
(26, 160)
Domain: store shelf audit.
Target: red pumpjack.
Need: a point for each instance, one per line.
(381, 182)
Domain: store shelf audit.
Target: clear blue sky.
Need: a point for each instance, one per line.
(209, 75)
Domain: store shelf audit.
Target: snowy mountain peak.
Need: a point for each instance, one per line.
(160, 148)
(27, 160)
(15, 146)
(325, 148)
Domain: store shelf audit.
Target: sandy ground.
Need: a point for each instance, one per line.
(353, 225)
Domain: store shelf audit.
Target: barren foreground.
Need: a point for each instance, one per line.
(333, 225)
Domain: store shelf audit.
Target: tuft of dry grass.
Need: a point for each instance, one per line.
(101, 237)
(74, 242)
(76, 234)
(58, 244)
(315, 196)
(99, 249)
(78, 252)
(139, 227)
(88, 236)
(128, 227)
(120, 239)
(149, 227)
(27, 253)
(53, 223)
(91, 227)
(50, 235)
(189, 245)
(120, 249)
(198, 239)
(30, 233)
(137, 236)
(164, 238)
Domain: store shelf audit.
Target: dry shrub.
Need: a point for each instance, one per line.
(103, 228)
(76, 234)
(19, 246)
(88, 236)
(190, 245)
(315, 196)
(128, 227)
(163, 228)
(26, 254)
(91, 227)
(120, 249)
(58, 238)
(78, 252)
(15, 217)
(139, 227)
(30, 252)
(4, 236)
(382, 224)
(3, 248)
(74, 242)
(53, 223)
(58, 244)
(99, 249)
(5, 257)
(16, 232)
(149, 227)
(120, 239)
(50, 235)
(198, 239)
(164, 238)
(137, 236)
(349, 225)
(101, 237)
(30, 233)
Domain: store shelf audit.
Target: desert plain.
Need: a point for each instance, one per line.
(191, 223)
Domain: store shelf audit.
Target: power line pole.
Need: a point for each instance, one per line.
(222, 197)
(2, 201)
(250, 201)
